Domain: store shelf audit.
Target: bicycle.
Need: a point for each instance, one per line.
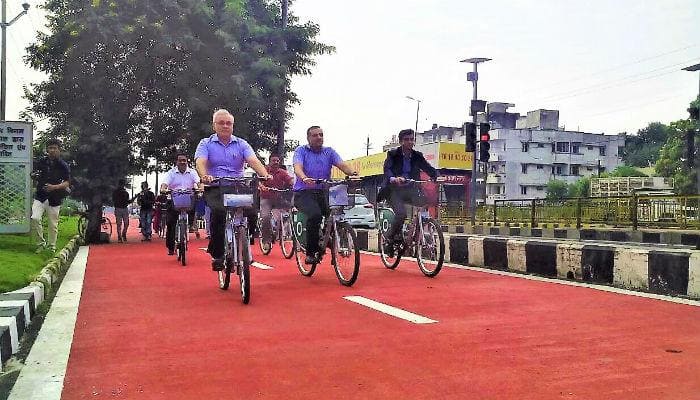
(281, 229)
(335, 231)
(182, 200)
(422, 236)
(236, 197)
(161, 227)
(105, 224)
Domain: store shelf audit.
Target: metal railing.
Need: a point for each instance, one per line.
(681, 212)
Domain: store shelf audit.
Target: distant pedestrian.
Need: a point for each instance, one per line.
(145, 200)
(121, 200)
(53, 179)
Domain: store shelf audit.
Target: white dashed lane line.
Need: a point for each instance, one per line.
(390, 310)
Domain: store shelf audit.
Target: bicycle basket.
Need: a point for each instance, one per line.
(338, 196)
(182, 201)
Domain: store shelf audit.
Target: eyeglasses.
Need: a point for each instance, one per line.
(225, 123)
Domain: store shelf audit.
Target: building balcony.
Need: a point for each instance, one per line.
(495, 179)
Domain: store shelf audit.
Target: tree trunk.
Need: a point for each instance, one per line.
(94, 226)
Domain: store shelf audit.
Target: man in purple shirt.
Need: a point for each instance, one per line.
(222, 155)
(313, 161)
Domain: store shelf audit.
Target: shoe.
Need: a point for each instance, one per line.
(120, 240)
(217, 264)
(124, 239)
(311, 260)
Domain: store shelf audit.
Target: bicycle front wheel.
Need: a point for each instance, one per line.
(225, 274)
(244, 263)
(107, 226)
(265, 243)
(389, 261)
(287, 238)
(430, 248)
(182, 243)
(346, 256)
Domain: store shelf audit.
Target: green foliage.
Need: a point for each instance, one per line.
(642, 149)
(580, 188)
(623, 171)
(672, 162)
(130, 81)
(557, 189)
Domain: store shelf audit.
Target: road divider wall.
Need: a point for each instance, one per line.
(670, 271)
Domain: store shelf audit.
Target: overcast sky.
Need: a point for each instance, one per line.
(608, 66)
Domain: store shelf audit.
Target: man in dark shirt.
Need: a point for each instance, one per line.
(53, 178)
(145, 200)
(121, 200)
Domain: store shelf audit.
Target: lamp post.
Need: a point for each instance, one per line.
(283, 101)
(473, 77)
(417, 110)
(694, 68)
(3, 63)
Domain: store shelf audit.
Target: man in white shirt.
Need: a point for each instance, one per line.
(179, 177)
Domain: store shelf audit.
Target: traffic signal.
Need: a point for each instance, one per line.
(484, 145)
(470, 133)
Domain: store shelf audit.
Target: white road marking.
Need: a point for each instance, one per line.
(602, 288)
(391, 310)
(260, 265)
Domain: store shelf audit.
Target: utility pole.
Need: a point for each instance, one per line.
(3, 63)
(283, 100)
(368, 145)
(473, 77)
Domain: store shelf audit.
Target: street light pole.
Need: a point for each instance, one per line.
(283, 101)
(474, 78)
(695, 68)
(3, 63)
(417, 110)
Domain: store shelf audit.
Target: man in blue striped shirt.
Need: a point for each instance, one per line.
(314, 161)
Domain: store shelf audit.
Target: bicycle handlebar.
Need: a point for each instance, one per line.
(439, 179)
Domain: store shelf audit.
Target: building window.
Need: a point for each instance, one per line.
(523, 189)
(562, 147)
(576, 148)
(540, 145)
(540, 166)
(558, 170)
(602, 150)
(524, 168)
(620, 151)
(540, 188)
(525, 147)
(589, 168)
(589, 147)
(574, 170)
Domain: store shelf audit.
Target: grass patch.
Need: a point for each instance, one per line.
(19, 265)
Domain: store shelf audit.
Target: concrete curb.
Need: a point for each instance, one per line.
(17, 308)
(674, 272)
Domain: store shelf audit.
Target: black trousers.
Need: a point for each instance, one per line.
(400, 196)
(314, 204)
(171, 217)
(215, 202)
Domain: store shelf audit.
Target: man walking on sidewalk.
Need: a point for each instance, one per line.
(121, 200)
(145, 200)
(53, 178)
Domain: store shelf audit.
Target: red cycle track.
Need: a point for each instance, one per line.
(149, 328)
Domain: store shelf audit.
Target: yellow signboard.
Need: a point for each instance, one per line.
(365, 166)
(449, 155)
(453, 156)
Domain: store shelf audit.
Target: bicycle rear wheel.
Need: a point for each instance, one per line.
(305, 269)
(389, 262)
(287, 237)
(182, 243)
(430, 248)
(346, 256)
(244, 263)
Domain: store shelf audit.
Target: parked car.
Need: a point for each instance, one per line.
(362, 214)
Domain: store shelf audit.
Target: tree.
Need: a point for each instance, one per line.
(672, 162)
(132, 81)
(580, 188)
(622, 171)
(642, 149)
(557, 189)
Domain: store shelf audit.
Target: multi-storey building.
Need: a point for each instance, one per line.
(529, 151)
